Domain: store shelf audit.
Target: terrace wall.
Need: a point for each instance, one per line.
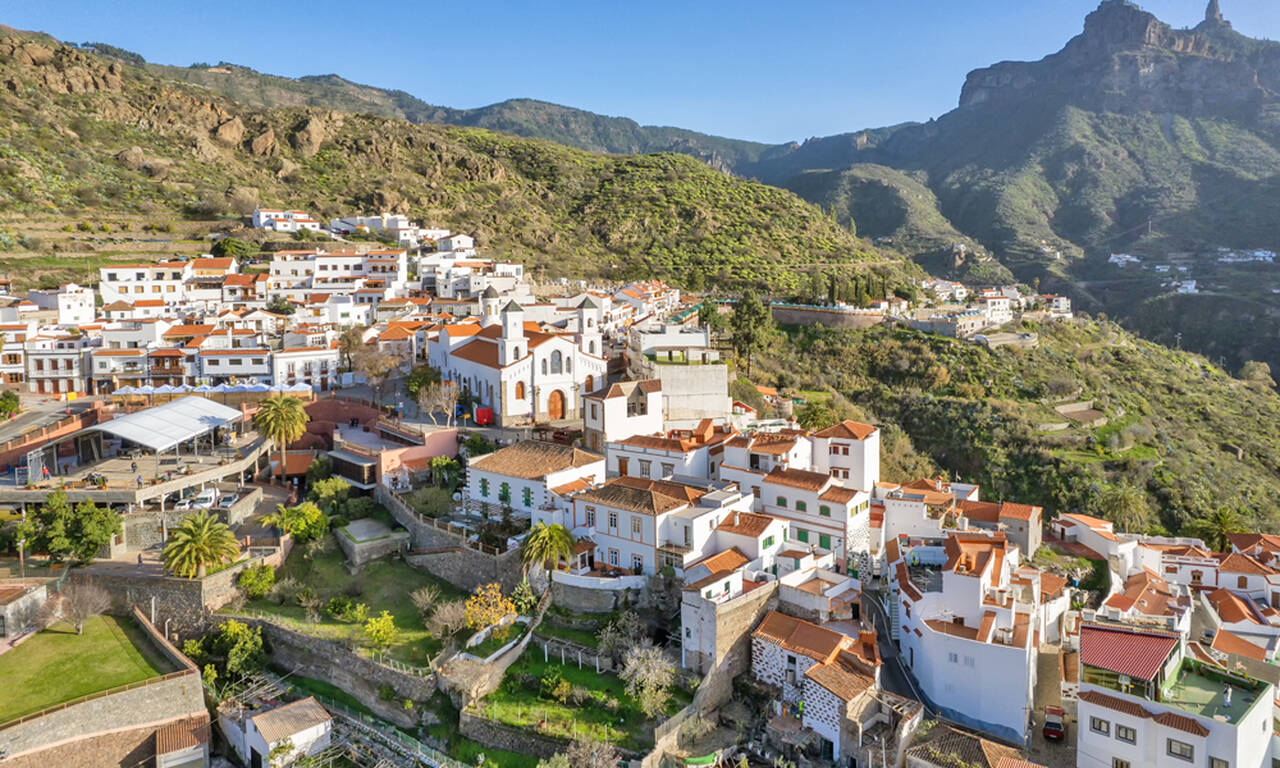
(331, 662)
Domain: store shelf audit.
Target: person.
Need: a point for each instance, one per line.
(139, 558)
(139, 481)
(44, 472)
(133, 467)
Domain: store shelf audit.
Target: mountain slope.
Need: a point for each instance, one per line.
(82, 132)
(1178, 424)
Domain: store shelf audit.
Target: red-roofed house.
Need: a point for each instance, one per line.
(850, 452)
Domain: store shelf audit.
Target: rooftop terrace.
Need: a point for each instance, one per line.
(1198, 690)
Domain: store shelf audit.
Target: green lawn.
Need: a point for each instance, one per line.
(383, 586)
(492, 643)
(57, 665)
(459, 747)
(518, 701)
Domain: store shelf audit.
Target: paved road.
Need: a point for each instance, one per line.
(39, 414)
(894, 675)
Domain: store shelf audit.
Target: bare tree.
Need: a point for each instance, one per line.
(441, 396)
(425, 599)
(592, 754)
(376, 366)
(447, 619)
(649, 673)
(84, 600)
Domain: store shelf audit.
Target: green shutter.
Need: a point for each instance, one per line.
(824, 541)
(782, 501)
(484, 487)
(800, 506)
(824, 510)
(803, 536)
(528, 497)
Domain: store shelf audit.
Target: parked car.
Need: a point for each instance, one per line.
(1055, 724)
(207, 498)
(228, 501)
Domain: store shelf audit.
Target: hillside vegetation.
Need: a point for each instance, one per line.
(1191, 435)
(81, 135)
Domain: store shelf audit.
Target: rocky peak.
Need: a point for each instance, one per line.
(1213, 14)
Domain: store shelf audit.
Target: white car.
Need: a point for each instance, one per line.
(206, 499)
(228, 501)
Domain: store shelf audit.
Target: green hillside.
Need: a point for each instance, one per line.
(82, 134)
(1192, 436)
(897, 206)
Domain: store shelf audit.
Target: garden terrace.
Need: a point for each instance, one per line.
(57, 665)
(598, 710)
(381, 585)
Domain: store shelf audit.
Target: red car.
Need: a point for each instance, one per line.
(1055, 724)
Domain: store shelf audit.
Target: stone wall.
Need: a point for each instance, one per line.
(466, 569)
(147, 706)
(362, 678)
(826, 317)
(142, 529)
(133, 746)
(587, 600)
(495, 735)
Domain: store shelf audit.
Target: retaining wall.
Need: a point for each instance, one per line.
(335, 664)
(828, 318)
(360, 553)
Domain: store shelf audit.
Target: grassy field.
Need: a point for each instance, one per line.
(579, 636)
(57, 665)
(518, 702)
(383, 586)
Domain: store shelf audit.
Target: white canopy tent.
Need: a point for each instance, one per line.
(171, 424)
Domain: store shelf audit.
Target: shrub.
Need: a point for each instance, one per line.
(360, 506)
(424, 599)
(562, 691)
(380, 631)
(550, 681)
(339, 607)
(447, 619)
(285, 590)
(257, 581)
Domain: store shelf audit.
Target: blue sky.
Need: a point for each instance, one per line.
(768, 71)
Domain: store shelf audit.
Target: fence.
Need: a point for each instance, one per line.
(392, 738)
(392, 501)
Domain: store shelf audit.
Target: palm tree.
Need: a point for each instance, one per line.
(1127, 506)
(1215, 527)
(545, 546)
(282, 419)
(199, 541)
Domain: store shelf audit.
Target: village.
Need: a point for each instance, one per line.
(462, 517)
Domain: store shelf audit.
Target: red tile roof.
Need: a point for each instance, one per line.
(1136, 654)
(800, 636)
(1230, 642)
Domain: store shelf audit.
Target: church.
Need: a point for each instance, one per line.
(525, 374)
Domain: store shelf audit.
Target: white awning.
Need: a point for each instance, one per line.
(164, 426)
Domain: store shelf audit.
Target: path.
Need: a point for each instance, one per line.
(1048, 691)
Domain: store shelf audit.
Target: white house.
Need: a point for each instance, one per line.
(849, 452)
(74, 304)
(1099, 536)
(688, 453)
(622, 410)
(523, 477)
(303, 723)
(317, 367)
(284, 221)
(821, 513)
(1144, 701)
(970, 644)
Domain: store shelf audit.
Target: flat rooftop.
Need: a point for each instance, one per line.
(1205, 695)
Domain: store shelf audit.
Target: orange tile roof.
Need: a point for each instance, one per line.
(1232, 608)
(800, 636)
(184, 734)
(848, 430)
(746, 524)
(1133, 709)
(1235, 562)
(839, 494)
(1229, 642)
(845, 684)
(532, 459)
(798, 478)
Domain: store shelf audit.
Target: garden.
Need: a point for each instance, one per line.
(572, 703)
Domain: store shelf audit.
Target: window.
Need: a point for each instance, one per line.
(1126, 734)
(504, 493)
(1098, 725)
(613, 519)
(1118, 763)
(484, 487)
(591, 517)
(1243, 582)
(1217, 762)
(594, 413)
(635, 526)
(668, 470)
(1181, 750)
(824, 541)
(528, 497)
(801, 506)
(803, 535)
(637, 564)
(557, 363)
(954, 658)
(824, 510)
(613, 557)
(644, 468)
(782, 501)
(768, 542)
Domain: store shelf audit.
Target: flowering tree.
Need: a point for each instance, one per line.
(487, 607)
